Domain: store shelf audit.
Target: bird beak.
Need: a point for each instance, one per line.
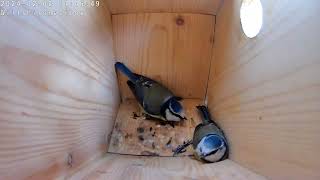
(183, 118)
(183, 115)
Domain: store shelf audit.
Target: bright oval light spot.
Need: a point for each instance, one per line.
(251, 15)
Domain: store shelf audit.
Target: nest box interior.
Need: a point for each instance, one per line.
(174, 49)
(66, 114)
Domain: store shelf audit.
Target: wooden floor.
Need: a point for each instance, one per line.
(135, 135)
(115, 167)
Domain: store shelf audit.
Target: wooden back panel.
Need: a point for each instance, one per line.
(264, 92)
(153, 44)
(58, 91)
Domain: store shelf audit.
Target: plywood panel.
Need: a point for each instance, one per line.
(58, 91)
(154, 45)
(187, 6)
(264, 91)
(140, 168)
(136, 135)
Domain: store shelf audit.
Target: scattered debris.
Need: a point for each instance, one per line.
(169, 142)
(128, 136)
(134, 134)
(141, 138)
(117, 139)
(140, 130)
(135, 116)
(171, 124)
(70, 160)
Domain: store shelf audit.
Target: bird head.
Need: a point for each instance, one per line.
(174, 111)
(211, 148)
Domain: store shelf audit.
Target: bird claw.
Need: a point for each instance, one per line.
(182, 148)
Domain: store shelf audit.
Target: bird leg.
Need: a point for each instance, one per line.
(182, 148)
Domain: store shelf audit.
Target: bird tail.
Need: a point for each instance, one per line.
(205, 113)
(126, 71)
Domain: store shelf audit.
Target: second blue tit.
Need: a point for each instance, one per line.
(209, 142)
(155, 99)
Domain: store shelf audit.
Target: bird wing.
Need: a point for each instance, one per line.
(139, 87)
(150, 94)
(136, 91)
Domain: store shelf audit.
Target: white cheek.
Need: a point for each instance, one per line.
(171, 117)
(216, 156)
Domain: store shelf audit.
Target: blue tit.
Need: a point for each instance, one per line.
(155, 99)
(209, 142)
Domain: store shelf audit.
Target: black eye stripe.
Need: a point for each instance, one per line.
(178, 115)
(213, 152)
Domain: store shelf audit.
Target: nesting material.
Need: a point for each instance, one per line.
(136, 134)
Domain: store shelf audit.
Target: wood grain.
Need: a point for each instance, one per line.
(178, 56)
(58, 91)
(182, 6)
(134, 134)
(134, 167)
(264, 91)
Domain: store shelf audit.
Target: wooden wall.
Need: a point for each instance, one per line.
(182, 6)
(119, 167)
(58, 91)
(156, 45)
(265, 92)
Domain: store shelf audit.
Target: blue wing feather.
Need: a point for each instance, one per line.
(126, 71)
